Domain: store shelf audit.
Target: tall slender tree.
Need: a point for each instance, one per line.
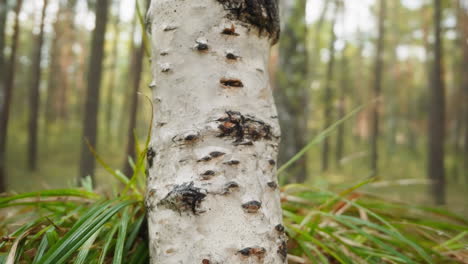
(343, 90)
(34, 95)
(212, 190)
(293, 81)
(328, 92)
(7, 92)
(90, 122)
(137, 68)
(463, 43)
(377, 88)
(113, 69)
(435, 162)
(3, 17)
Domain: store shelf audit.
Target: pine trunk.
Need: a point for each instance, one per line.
(377, 89)
(90, 123)
(137, 68)
(212, 193)
(34, 94)
(7, 91)
(436, 167)
(328, 94)
(3, 17)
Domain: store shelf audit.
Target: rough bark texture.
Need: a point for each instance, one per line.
(90, 122)
(212, 195)
(34, 94)
(435, 166)
(7, 96)
(377, 89)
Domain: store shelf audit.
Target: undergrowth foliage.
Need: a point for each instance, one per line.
(324, 226)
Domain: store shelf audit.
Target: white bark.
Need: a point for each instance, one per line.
(212, 194)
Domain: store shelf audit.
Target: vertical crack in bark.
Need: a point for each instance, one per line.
(283, 250)
(262, 14)
(150, 154)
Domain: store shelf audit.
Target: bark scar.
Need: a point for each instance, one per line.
(262, 14)
(184, 197)
(244, 129)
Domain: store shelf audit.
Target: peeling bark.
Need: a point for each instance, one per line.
(212, 193)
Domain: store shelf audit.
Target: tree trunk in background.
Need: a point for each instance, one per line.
(61, 62)
(342, 106)
(7, 93)
(463, 29)
(328, 93)
(212, 193)
(377, 90)
(90, 123)
(293, 85)
(34, 98)
(3, 17)
(112, 80)
(137, 68)
(121, 133)
(436, 167)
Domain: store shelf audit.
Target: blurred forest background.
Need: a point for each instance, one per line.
(72, 69)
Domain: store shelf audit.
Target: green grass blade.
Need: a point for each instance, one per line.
(84, 251)
(119, 247)
(319, 138)
(108, 242)
(82, 231)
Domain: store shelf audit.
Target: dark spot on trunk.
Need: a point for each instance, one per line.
(272, 162)
(272, 185)
(232, 162)
(164, 53)
(184, 197)
(230, 31)
(262, 14)
(170, 28)
(279, 228)
(150, 154)
(283, 250)
(201, 46)
(231, 56)
(191, 137)
(253, 251)
(208, 175)
(228, 187)
(252, 206)
(216, 154)
(231, 83)
(244, 129)
(206, 261)
(204, 159)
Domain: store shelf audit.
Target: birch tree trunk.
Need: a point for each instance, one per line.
(212, 193)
